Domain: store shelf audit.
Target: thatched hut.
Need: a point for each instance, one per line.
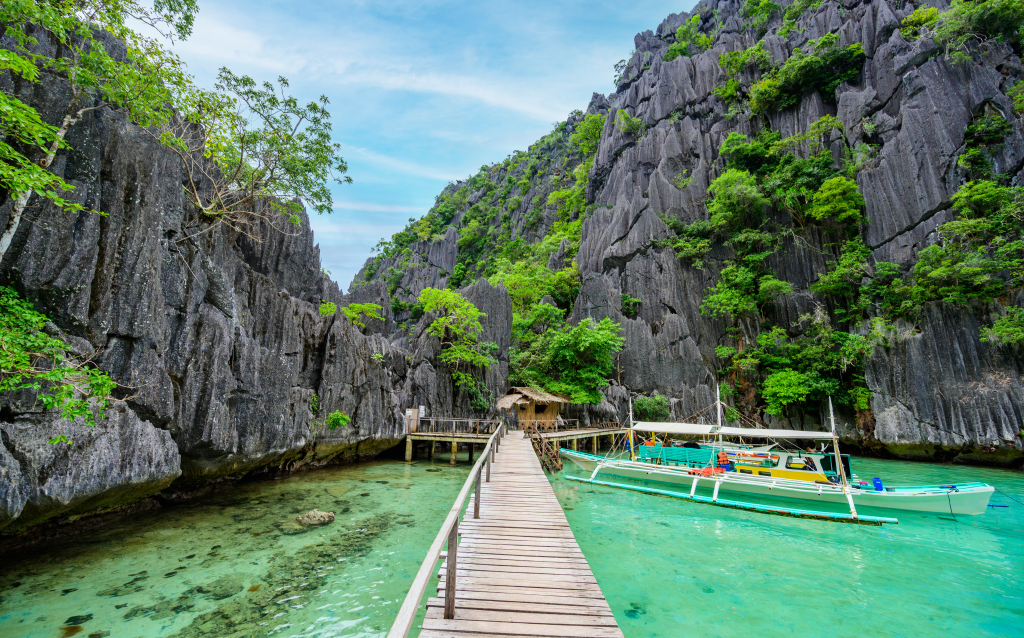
(531, 404)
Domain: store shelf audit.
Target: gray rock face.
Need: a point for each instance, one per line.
(942, 392)
(939, 392)
(214, 336)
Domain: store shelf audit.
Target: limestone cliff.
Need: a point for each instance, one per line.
(937, 390)
(214, 336)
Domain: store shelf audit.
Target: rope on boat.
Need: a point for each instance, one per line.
(1008, 496)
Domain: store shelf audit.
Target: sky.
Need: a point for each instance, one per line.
(422, 93)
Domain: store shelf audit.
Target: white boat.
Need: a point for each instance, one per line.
(766, 472)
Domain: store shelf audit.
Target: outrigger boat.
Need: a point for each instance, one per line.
(768, 470)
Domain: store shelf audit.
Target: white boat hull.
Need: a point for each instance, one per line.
(968, 500)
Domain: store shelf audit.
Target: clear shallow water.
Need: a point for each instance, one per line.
(230, 565)
(670, 568)
(226, 565)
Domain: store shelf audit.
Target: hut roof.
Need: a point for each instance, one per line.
(525, 395)
(510, 399)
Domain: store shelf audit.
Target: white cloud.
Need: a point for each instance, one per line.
(379, 208)
(402, 166)
(506, 95)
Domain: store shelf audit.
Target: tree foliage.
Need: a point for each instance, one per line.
(653, 408)
(823, 68)
(968, 21)
(458, 328)
(689, 40)
(31, 359)
(578, 360)
(143, 86)
(587, 135)
(264, 150)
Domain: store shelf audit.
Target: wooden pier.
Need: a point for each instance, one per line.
(474, 432)
(517, 570)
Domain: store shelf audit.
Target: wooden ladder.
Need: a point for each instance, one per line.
(548, 455)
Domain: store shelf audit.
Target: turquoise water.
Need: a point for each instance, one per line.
(233, 565)
(670, 568)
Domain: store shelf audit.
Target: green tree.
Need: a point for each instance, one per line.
(580, 359)
(587, 135)
(269, 149)
(689, 40)
(1008, 329)
(628, 124)
(783, 388)
(838, 201)
(736, 200)
(31, 359)
(458, 327)
(653, 408)
(357, 313)
(142, 87)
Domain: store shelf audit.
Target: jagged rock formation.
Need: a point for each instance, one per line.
(937, 391)
(215, 336)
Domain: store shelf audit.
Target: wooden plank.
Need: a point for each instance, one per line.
(492, 615)
(509, 580)
(518, 570)
(521, 629)
(530, 607)
(519, 596)
(463, 566)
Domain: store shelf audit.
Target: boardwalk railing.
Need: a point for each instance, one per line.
(549, 424)
(449, 532)
(566, 424)
(448, 425)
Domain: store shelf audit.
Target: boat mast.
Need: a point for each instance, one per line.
(629, 433)
(718, 415)
(839, 460)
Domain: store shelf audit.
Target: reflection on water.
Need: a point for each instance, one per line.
(670, 568)
(236, 565)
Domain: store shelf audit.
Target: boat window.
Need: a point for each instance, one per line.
(828, 463)
(801, 463)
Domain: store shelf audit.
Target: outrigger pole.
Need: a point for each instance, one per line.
(840, 469)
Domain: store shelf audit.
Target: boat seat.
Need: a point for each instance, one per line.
(675, 455)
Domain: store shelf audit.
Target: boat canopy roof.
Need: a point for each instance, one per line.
(767, 433)
(711, 429)
(674, 428)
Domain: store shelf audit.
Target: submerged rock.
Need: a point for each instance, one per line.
(316, 517)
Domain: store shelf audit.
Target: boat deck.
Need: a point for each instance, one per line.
(519, 570)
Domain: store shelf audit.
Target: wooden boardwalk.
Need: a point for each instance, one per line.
(519, 571)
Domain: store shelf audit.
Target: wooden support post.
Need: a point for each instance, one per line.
(471, 446)
(574, 444)
(455, 450)
(490, 457)
(449, 581)
(408, 448)
(476, 496)
(594, 441)
(432, 444)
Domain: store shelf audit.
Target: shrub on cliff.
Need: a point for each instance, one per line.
(824, 68)
(653, 408)
(32, 359)
(689, 40)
